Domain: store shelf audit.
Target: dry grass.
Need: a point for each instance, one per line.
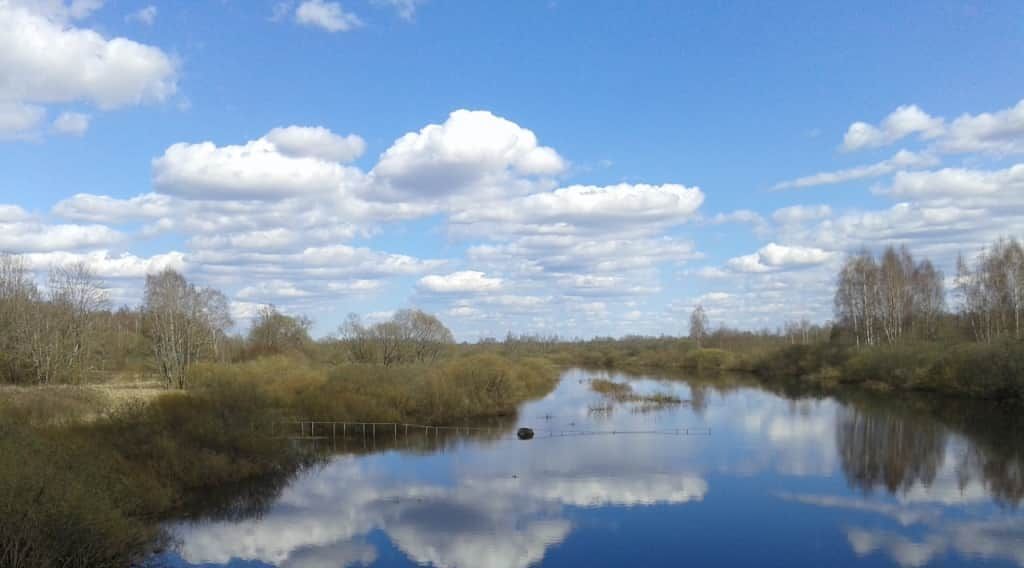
(622, 392)
(74, 404)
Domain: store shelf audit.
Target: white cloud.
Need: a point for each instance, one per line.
(106, 209)
(19, 120)
(406, 9)
(257, 170)
(145, 16)
(801, 213)
(1001, 132)
(72, 123)
(904, 159)
(45, 59)
(473, 151)
(316, 142)
(278, 238)
(900, 123)
(32, 236)
(107, 265)
(271, 289)
(592, 205)
(326, 15)
(463, 281)
(999, 187)
(773, 257)
(12, 213)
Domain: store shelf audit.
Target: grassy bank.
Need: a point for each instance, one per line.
(91, 489)
(956, 368)
(974, 370)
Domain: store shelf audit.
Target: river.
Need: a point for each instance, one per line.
(779, 480)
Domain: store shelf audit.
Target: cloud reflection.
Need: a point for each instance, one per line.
(487, 522)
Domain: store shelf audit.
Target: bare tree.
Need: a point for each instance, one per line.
(19, 297)
(699, 324)
(390, 338)
(929, 299)
(425, 334)
(275, 332)
(856, 304)
(61, 333)
(884, 301)
(410, 336)
(184, 323)
(358, 339)
(992, 291)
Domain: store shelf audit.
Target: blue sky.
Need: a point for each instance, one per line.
(616, 162)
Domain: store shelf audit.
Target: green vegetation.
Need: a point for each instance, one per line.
(86, 477)
(91, 494)
(91, 489)
(457, 389)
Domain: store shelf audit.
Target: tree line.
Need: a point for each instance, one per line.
(65, 330)
(895, 297)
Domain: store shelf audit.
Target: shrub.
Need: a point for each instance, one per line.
(703, 360)
(985, 370)
(67, 504)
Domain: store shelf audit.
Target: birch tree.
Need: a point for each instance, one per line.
(699, 324)
(184, 323)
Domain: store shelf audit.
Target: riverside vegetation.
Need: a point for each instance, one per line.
(84, 482)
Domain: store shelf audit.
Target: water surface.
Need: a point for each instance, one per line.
(782, 480)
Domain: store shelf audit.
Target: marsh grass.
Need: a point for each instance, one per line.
(452, 391)
(86, 479)
(623, 392)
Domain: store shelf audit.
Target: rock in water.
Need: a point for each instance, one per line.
(525, 433)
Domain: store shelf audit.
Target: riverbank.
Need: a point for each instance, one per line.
(988, 371)
(92, 487)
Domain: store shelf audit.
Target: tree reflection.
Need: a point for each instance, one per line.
(897, 445)
(883, 449)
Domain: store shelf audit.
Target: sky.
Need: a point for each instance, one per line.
(577, 168)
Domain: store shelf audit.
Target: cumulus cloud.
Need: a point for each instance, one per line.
(282, 208)
(80, 64)
(256, 170)
(967, 186)
(72, 123)
(904, 159)
(1000, 132)
(591, 205)
(106, 209)
(463, 281)
(12, 213)
(316, 142)
(31, 236)
(473, 151)
(329, 16)
(107, 265)
(772, 257)
(900, 123)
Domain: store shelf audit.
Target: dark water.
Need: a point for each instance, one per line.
(780, 481)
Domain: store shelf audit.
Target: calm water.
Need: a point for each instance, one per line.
(780, 481)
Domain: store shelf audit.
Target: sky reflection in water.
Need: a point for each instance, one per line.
(793, 482)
